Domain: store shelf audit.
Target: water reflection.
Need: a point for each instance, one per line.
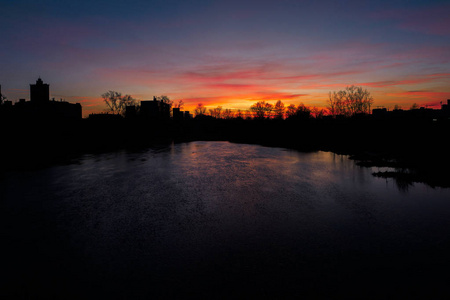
(217, 217)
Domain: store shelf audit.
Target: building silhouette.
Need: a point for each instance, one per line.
(155, 110)
(422, 113)
(177, 114)
(446, 107)
(39, 92)
(40, 107)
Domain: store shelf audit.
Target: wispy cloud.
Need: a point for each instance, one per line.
(261, 54)
(414, 80)
(429, 20)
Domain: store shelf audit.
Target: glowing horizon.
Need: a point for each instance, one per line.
(228, 53)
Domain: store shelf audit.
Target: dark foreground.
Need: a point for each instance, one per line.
(49, 268)
(223, 221)
(416, 148)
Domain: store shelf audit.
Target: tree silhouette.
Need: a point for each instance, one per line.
(302, 111)
(165, 99)
(279, 110)
(179, 105)
(117, 103)
(336, 103)
(317, 113)
(248, 114)
(349, 102)
(261, 109)
(2, 99)
(290, 111)
(200, 110)
(216, 112)
(228, 114)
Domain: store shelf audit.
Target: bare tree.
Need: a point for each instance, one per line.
(200, 110)
(129, 101)
(261, 109)
(239, 114)
(359, 100)
(2, 99)
(349, 102)
(248, 114)
(336, 103)
(302, 111)
(113, 101)
(216, 112)
(228, 114)
(290, 111)
(179, 105)
(165, 99)
(414, 106)
(117, 103)
(279, 110)
(317, 113)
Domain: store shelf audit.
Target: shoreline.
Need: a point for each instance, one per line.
(419, 154)
(403, 173)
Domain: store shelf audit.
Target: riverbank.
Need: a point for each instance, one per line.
(415, 151)
(220, 220)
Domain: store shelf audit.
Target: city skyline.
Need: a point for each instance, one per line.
(228, 53)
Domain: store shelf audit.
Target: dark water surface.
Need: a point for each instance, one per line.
(221, 220)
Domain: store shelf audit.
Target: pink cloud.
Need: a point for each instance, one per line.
(320, 86)
(219, 73)
(232, 86)
(319, 76)
(429, 94)
(235, 80)
(412, 81)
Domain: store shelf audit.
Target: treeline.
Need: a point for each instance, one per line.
(262, 110)
(348, 102)
(351, 101)
(415, 147)
(411, 142)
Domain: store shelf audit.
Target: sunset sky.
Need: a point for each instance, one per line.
(229, 53)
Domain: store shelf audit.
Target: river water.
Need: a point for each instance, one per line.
(217, 219)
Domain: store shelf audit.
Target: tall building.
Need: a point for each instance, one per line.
(155, 110)
(444, 107)
(39, 92)
(41, 107)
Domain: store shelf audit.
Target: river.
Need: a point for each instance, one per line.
(221, 220)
